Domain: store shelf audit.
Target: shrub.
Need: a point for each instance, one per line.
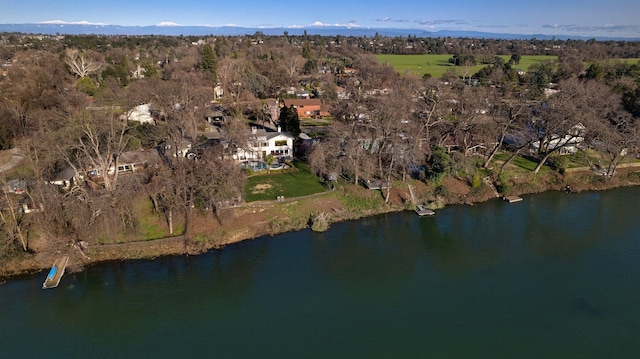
(559, 163)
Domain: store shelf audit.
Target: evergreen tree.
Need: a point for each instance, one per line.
(208, 64)
(119, 71)
(306, 51)
(515, 59)
(289, 120)
(631, 101)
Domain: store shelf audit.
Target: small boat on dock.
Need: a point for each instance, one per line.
(422, 211)
(56, 273)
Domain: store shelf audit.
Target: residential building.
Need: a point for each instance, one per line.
(312, 107)
(263, 143)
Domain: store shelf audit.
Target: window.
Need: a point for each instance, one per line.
(125, 168)
(281, 143)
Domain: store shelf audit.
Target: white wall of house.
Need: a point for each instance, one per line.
(278, 144)
(140, 113)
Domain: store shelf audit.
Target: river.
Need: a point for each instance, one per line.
(554, 276)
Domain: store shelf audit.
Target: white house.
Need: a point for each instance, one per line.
(67, 177)
(567, 144)
(140, 113)
(128, 162)
(263, 143)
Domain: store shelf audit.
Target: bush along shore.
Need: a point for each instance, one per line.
(318, 212)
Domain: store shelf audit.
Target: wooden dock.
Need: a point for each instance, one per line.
(422, 211)
(56, 273)
(512, 199)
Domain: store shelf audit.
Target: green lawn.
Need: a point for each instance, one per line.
(325, 121)
(520, 161)
(295, 182)
(630, 61)
(438, 65)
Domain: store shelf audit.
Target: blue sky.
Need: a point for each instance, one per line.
(553, 17)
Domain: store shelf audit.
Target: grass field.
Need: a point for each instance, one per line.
(520, 162)
(613, 61)
(438, 65)
(291, 183)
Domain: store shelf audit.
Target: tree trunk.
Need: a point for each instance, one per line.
(493, 152)
(613, 166)
(356, 173)
(504, 164)
(170, 221)
(386, 197)
(154, 201)
(14, 223)
(542, 162)
(388, 179)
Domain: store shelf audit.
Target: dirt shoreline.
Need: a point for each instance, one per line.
(255, 220)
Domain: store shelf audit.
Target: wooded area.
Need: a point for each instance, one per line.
(66, 104)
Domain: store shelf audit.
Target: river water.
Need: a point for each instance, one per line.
(554, 276)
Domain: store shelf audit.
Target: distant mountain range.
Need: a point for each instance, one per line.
(88, 29)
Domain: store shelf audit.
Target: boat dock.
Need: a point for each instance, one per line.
(422, 211)
(512, 199)
(56, 273)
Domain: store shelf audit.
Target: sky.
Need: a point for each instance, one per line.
(615, 18)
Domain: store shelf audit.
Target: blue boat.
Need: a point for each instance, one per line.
(56, 273)
(52, 272)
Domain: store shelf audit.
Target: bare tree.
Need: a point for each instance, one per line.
(468, 110)
(95, 141)
(505, 116)
(181, 104)
(293, 64)
(12, 220)
(205, 182)
(617, 138)
(231, 76)
(564, 119)
(82, 63)
(344, 151)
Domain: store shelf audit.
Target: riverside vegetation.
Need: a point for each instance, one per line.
(566, 124)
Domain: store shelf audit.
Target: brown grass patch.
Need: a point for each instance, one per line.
(261, 188)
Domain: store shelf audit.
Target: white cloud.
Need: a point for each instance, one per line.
(441, 22)
(168, 23)
(321, 24)
(62, 22)
(388, 19)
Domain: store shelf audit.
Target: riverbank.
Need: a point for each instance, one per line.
(256, 219)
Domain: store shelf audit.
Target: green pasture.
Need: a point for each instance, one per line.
(626, 61)
(438, 65)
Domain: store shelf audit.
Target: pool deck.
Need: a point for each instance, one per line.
(56, 273)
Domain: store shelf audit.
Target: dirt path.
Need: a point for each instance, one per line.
(15, 157)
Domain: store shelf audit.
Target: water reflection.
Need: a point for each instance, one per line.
(564, 225)
(128, 298)
(459, 239)
(378, 252)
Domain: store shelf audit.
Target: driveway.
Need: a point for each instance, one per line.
(16, 158)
